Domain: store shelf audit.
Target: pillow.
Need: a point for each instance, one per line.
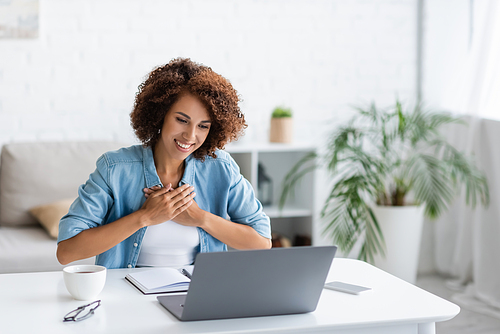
(49, 215)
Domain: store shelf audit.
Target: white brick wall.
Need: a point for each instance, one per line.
(78, 80)
(446, 34)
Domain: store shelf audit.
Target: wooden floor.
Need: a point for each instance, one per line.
(467, 321)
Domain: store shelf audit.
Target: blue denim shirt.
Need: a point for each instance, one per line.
(115, 190)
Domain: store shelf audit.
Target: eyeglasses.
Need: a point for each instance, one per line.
(83, 312)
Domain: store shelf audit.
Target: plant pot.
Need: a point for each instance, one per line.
(402, 230)
(281, 130)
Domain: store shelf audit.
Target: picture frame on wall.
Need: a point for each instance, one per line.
(19, 19)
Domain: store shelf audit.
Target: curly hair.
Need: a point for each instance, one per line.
(163, 87)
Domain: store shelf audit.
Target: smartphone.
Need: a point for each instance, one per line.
(345, 287)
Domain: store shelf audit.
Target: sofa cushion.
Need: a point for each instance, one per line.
(33, 174)
(29, 249)
(49, 215)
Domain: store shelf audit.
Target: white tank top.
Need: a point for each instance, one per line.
(168, 245)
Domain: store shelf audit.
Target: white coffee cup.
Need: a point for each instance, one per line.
(84, 282)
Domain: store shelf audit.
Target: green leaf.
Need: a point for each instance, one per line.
(301, 168)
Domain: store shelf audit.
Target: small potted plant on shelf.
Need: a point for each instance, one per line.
(281, 125)
(389, 169)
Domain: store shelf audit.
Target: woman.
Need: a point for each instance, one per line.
(138, 207)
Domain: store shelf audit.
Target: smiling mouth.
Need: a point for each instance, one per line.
(183, 146)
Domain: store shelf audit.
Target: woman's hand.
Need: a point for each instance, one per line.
(163, 204)
(149, 191)
(192, 216)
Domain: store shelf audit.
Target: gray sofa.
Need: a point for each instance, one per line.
(36, 175)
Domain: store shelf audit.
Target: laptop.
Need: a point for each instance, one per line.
(253, 283)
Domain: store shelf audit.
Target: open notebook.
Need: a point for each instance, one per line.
(161, 280)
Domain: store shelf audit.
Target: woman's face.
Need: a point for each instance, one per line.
(185, 127)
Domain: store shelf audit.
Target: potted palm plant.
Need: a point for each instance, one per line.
(385, 164)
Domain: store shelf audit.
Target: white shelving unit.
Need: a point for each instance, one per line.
(298, 216)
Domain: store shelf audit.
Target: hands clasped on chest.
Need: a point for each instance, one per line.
(167, 203)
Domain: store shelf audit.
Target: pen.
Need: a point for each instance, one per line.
(186, 273)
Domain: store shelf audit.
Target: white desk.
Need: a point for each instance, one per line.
(37, 302)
